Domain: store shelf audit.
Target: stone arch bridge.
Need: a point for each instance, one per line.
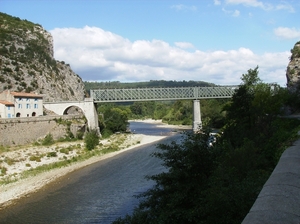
(88, 106)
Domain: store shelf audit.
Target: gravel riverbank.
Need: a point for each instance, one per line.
(20, 162)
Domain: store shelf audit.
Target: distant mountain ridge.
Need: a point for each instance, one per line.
(149, 84)
(27, 63)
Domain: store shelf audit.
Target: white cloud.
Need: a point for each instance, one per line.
(234, 13)
(217, 2)
(252, 3)
(181, 7)
(99, 55)
(184, 45)
(262, 5)
(287, 33)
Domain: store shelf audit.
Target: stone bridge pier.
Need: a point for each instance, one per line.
(197, 123)
(87, 106)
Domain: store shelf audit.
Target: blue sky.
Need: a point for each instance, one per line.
(140, 40)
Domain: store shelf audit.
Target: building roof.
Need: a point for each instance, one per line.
(6, 103)
(22, 94)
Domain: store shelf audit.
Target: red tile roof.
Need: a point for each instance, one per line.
(6, 103)
(22, 94)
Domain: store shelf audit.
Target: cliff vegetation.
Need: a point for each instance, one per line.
(27, 63)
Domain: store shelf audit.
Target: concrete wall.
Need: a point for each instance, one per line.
(20, 131)
(279, 200)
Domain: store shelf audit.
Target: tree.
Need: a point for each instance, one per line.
(114, 118)
(177, 194)
(91, 139)
(219, 184)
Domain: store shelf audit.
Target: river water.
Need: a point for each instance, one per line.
(98, 193)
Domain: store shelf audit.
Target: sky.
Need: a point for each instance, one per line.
(214, 41)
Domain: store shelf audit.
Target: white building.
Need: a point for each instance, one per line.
(19, 104)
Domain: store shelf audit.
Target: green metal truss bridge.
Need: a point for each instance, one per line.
(164, 93)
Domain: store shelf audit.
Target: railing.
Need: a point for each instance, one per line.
(174, 93)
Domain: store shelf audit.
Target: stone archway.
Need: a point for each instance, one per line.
(88, 108)
(74, 110)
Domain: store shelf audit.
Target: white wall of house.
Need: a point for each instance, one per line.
(25, 105)
(7, 111)
(2, 111)
(28, 107)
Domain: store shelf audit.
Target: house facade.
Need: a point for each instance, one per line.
(19, 104)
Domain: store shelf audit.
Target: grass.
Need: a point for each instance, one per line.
(3, 170)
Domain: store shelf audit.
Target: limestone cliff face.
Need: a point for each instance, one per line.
(293, 70)
(27, 63)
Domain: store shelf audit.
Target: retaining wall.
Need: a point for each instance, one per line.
(20, 131)
(279, 200)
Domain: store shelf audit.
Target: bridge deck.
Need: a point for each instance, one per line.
(149, 94)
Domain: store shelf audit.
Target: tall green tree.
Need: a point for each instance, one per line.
(113, 118)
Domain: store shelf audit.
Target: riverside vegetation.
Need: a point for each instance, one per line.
(219, 184)
(55, 154)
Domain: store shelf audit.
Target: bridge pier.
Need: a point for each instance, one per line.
(197, 123)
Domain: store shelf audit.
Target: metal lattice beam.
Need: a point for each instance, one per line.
(174, 93)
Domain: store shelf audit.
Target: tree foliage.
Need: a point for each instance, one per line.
(91, 139)
(219, 184)
(113, 118)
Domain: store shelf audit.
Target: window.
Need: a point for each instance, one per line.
(8, 115)
(20, 106)
(35, 106)
(27, 99)
(35, 99)
(27, 106)
(20, 99)
(8, 107)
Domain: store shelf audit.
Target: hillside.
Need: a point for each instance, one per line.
(27, 63)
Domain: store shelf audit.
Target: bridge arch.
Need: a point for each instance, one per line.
(87, 107)
(69, 110)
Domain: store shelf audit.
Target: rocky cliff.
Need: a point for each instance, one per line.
(27, 63)
(293, 70)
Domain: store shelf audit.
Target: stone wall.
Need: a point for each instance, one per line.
(20, 131)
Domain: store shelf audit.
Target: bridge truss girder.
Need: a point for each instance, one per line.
(154, 94)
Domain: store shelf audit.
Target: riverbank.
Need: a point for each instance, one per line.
(26, 158)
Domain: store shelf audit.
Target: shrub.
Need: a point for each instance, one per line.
(35, 158)
(51, 154)
(48, 140)
(79, 135)
(91, 139)
(3, 170)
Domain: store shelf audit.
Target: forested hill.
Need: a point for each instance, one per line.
(150, 84)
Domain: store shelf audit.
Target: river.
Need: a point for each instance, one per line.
(98, 193)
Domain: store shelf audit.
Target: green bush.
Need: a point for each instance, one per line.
(35, 158)
(48, 140)
(91, 139)
(79, 135)
(51, 154)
